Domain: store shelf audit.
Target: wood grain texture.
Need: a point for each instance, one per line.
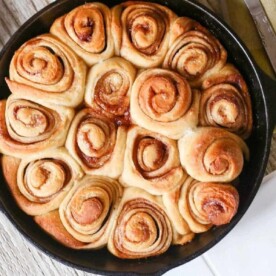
(17, 255)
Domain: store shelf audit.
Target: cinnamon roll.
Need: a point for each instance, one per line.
(194, 52)
(141, 228)
(141, 32)
(88, 210)
(40, 182)
(86, 29)
(212, 154)
(46, 70)
(108, 88)
(27, 127)
(225, 102)
(199, 205)
(151, 162)
(97, 143)
(162, 101)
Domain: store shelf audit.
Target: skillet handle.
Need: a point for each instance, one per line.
(270, 94)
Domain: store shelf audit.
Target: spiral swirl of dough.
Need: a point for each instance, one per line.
(47, 70)
(225, 102)
(27, 127)
(86, 29)
(212, 154)
(108, 89)
(45, 178)
(151, 162)
(142, 228)
(196, 206)
(162, 101)
(194, 52)
(88, 209)
(140, 32)
(97, 143)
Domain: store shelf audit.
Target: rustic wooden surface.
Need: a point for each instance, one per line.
(18, 256)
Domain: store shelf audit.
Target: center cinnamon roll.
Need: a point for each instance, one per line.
(151, 162)
(97, 143)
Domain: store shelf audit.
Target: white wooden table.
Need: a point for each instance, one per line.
(18, 256)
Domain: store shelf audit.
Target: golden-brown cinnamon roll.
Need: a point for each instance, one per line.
(46, 70)
(40, 182)
(27, 127)
(141, 228)
(196, 206)
(225, 102)
(194, 52)
(88, 210)
(108, 88)
(97, 143)
(151, 162)
(212, 154)
(86, 29)
(162, 101)
(141, 32)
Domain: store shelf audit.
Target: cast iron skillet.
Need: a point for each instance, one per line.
(261, 88)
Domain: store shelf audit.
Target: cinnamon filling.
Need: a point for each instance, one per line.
(88, 212)
(219, 166)
(150, 155)
(111, 93)
(40, 65)
(138, 228)
(86, 26)
(164, 96)
(45, 178)
(146, 31)
(95, 140)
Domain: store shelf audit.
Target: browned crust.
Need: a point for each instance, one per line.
(179, 239)
(52, 224)
(25, 90)
(10, 166)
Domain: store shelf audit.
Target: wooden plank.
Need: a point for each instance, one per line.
(21, 10)
(41, 4)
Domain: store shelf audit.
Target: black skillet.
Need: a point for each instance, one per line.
(263, 97)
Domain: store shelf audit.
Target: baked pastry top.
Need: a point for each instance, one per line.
(125, 128)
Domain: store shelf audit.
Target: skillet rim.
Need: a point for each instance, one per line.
(268, 127)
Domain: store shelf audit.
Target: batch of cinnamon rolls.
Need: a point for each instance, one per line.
(125, 128)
